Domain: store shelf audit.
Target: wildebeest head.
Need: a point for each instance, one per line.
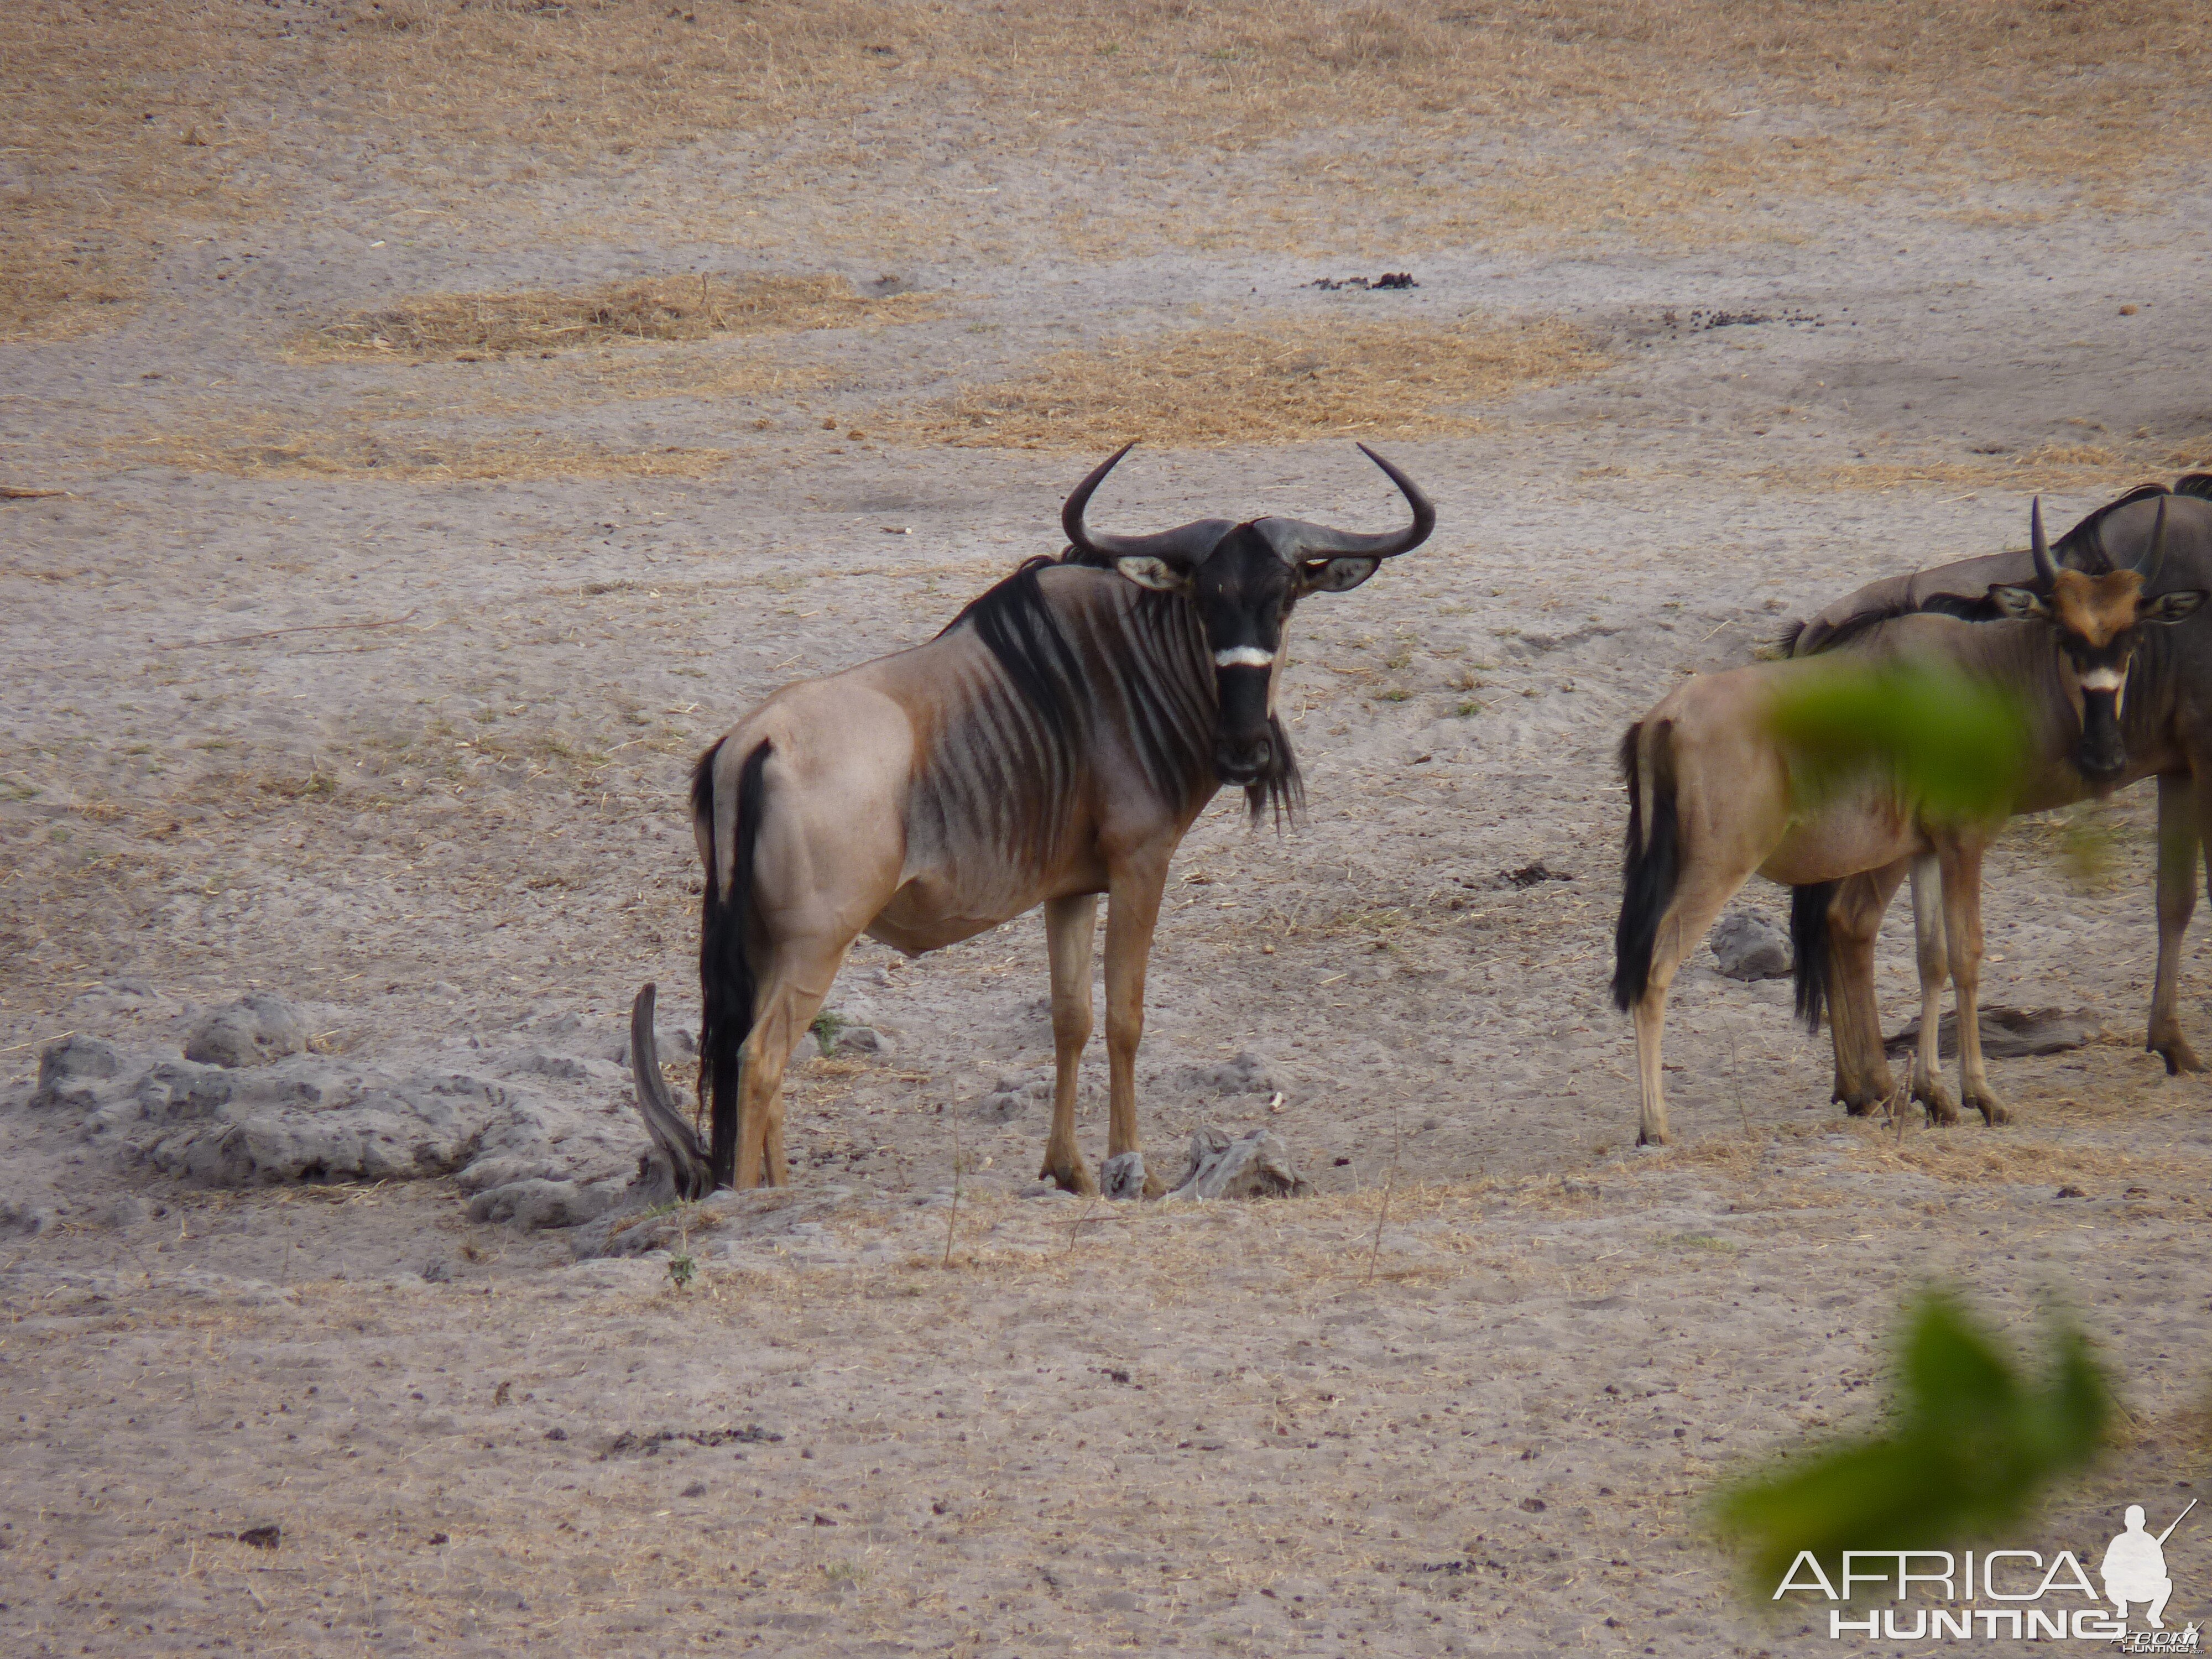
(2099, 623)
(1244, 579)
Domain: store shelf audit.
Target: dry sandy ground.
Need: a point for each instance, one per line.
(371, 680)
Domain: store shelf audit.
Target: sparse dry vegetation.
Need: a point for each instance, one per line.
(130, 123)
(261, 448)
(2045, 466)
(467, 327)
(1307, 379)
(493, 511)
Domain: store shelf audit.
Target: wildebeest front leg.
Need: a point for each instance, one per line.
(1928, 925)
(1961, 862)
(1071, 928)
(2180, 835)
(1133, 908)
(1863, 1080)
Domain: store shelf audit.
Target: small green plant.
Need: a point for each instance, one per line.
(1970, 1445)
(1704, 1242)
(681, 1265)
(1470, 709)
(826, 1026)
(1396, 693)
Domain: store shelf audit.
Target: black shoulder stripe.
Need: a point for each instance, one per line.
(1018, 626)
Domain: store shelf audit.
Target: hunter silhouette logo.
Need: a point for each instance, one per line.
(2134, 1567)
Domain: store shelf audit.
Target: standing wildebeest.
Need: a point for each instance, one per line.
(2157, 721)
(1716, 792)
(1052, 744)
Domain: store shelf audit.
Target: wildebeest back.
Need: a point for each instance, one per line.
(2107, 538)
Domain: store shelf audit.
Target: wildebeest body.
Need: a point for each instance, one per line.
(1055, 742)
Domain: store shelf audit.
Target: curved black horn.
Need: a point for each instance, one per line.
(1295, 540)
(1186, 543)
(2147, 566)
(2046, 569)
(688, 1160)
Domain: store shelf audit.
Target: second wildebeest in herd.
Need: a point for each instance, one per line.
(1055, 742)
(1717, 791)
(2146, 714)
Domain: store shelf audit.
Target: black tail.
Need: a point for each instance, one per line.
(1652, 867)
(1808, 942)
(725, 970)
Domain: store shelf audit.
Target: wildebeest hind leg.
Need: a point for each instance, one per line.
(799, 978)
(1862, 1079)
(1071, 928)
(2179, 836)
(1702, 889)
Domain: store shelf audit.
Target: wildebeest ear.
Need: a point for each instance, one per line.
(2021, 604)
(1158, 574)
(2171, 607)
(1334, 575)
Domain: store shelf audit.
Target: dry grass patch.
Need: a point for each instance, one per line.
(2046, 467)
(1967, 1158)
(265, 448)
(1282, 385)
(470, 326)
(114, 132)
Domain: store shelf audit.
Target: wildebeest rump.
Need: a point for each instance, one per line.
(1053, 742)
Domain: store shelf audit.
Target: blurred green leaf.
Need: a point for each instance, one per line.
(1971, 1445)
(1956, 746)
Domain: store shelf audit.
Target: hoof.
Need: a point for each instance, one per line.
(1074, 1179)
(2177, 1054)
(1942, 1110)
(1992, 1110)
(1122, 1176)
(1651, 1136)
(1857, 1100)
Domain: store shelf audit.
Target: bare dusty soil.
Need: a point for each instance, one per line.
(360, 624)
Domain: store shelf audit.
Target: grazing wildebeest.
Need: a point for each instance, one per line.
(1052, 744)
(2161, 726)
(1716, 792)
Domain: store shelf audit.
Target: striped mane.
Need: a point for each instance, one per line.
(1173, 737)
